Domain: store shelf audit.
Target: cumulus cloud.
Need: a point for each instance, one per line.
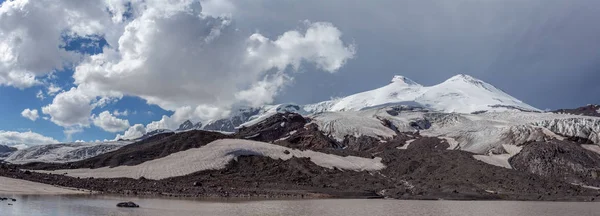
(29, 138)
(30, 114)
(110, 123)
(208, 66)
(53, 89)
(32, 32)
(70, 108)
(179, 55)
(134, 132)
(73, 108)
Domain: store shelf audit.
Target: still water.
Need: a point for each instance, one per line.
(105, 205)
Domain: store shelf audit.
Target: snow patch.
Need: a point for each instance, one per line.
(405, 146)
(216, 155)
(594, 148)
(453, 144)
(500, 160)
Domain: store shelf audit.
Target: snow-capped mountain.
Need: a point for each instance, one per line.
(188, 125)
(460, 94)
(64, 152)
(245, 116)
(6, 150)
(237, 118)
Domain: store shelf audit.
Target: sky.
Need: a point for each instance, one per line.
(74, 70)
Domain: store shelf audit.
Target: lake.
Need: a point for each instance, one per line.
(106, 205)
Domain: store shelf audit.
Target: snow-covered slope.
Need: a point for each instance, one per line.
(248, 116)
(64, 152)
(216, 155)
(479, 133)
(460, 94)
(6, 151)
(270, 110)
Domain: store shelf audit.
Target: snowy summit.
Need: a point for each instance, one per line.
(460, 94)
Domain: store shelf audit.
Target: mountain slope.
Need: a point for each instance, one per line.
(6, 150)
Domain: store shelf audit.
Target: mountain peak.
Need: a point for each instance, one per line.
(403, 80)
(186, 125)
(462, 79)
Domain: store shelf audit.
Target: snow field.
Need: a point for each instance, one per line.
(216, 155)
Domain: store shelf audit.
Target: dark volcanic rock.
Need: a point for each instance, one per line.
(272, 128)
(431, 172)
(564, 160)
(424, 171)
(308, 137)
(152, 148)
(128, 205)
(589, 110)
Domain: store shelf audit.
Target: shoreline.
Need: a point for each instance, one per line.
(15, 186)
(234, 197)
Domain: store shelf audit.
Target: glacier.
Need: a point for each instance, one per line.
(64, 152)
(481, 133)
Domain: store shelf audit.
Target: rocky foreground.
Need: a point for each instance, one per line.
(417, 167)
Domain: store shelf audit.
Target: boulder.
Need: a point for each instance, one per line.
(128, 205)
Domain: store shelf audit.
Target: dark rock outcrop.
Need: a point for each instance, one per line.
(564, 160)
(589, 110)
(6, 150)
(272, 128)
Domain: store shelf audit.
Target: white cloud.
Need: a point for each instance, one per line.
(70, 108)
(40, 95)
(207, 64)
(30, 114)
(73, 108)
(124, 113)
(53, 89)
(110, 123)
(134, 132)
(31, 36)
(29, 138)
(200, 72)
(321, 45)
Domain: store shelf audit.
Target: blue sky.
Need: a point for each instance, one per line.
(198, 59)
